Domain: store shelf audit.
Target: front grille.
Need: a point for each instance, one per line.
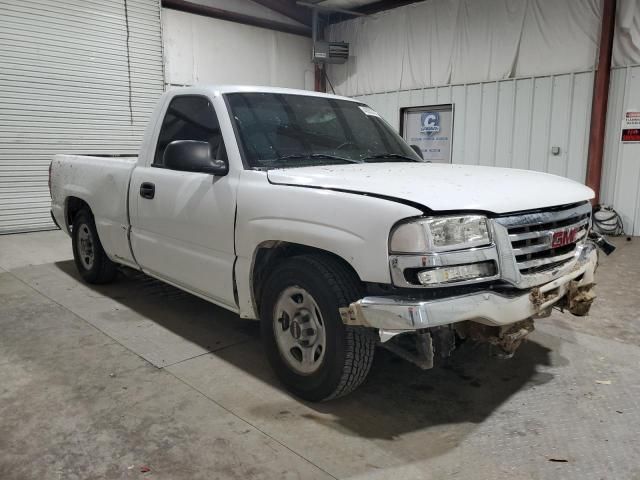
(532, 237)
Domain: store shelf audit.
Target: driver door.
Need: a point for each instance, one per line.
(183, 221)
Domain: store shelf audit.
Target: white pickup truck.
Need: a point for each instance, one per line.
(308, 211)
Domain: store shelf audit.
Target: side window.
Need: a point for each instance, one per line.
(190, 117)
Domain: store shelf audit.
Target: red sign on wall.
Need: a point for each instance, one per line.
(631, 134)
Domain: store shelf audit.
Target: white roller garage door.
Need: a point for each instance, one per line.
(76, 76)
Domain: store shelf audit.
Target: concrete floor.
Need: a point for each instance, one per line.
(106, 382)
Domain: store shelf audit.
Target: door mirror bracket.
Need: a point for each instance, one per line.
(193, 156)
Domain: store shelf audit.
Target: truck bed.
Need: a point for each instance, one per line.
(101, 181)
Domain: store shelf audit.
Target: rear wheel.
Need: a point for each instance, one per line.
(91, 260)
(312, 352)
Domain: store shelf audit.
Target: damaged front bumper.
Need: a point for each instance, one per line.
(399, 314)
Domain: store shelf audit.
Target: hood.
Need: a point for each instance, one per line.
(443, 186)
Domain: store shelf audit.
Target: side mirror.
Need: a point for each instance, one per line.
(193, 156)
(417, 150)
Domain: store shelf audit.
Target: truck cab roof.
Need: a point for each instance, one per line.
(223, 89)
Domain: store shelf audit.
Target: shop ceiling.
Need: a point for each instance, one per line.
(332, 11)
(301, 11)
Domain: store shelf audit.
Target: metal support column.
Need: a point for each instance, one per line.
(600, 98)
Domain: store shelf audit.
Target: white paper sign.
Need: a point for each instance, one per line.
(368, 111)
(431, 130)
(631, 126)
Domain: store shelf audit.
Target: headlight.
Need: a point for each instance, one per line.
(438, 234)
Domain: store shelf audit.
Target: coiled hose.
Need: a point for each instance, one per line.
(607, 221)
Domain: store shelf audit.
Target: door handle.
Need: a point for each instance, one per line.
(147, 190)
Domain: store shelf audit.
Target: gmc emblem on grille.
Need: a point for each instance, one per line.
(563, 237)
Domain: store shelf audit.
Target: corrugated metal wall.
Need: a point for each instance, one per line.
(621, 172)
(76, 76)
(510, 123)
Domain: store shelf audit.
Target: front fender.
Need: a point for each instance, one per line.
(343, 243)
(352, 226)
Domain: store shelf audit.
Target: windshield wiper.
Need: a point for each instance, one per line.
(389, 156)
(317, 155)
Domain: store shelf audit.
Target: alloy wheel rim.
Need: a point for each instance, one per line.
(299, 330)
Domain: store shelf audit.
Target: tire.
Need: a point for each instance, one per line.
(347, 353)
(91, 260)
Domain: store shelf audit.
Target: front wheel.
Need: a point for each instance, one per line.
(91, 260)
(313, 353)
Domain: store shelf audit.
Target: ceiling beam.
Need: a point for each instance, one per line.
(371, 8)
(321, 8)
(382, 5)
(198, 9)
(288, 8)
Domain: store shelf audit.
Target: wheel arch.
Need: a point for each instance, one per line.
(73, 205)
(268, 253)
